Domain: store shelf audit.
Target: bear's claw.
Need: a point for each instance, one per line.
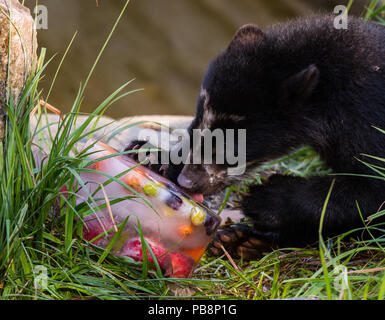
(241, 241)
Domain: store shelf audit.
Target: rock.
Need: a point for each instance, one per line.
(18, 45)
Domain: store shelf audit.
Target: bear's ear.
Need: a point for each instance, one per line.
(247, 34)
(299, 86)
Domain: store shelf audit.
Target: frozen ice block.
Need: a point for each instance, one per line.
(176, 228)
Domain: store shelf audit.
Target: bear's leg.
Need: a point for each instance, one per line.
(286, 211)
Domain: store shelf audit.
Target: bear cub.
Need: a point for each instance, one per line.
(298, 83)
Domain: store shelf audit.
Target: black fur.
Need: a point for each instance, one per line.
(302, 83)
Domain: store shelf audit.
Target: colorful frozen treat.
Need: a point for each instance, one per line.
(177, 228)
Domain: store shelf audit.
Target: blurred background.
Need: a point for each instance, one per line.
(165, 45)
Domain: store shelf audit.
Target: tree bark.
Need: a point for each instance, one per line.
(18, 44)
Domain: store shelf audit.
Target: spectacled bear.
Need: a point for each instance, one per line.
(298, 83)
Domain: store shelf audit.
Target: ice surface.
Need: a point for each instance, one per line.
(177, 228)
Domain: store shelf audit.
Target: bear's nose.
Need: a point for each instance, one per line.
(184, 182)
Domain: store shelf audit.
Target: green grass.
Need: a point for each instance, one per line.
(30, 236)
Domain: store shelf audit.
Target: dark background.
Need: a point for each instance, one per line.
(165, 45)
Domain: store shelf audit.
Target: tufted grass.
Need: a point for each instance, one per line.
(32, 239)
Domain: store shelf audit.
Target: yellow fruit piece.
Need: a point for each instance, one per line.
(150, 189)
(197, 216)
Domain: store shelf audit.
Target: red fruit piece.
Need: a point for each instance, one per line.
(64, 190)
(133, 248)
(93, 227)
(181, 265)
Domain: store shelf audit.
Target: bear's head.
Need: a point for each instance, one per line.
(250, 86)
